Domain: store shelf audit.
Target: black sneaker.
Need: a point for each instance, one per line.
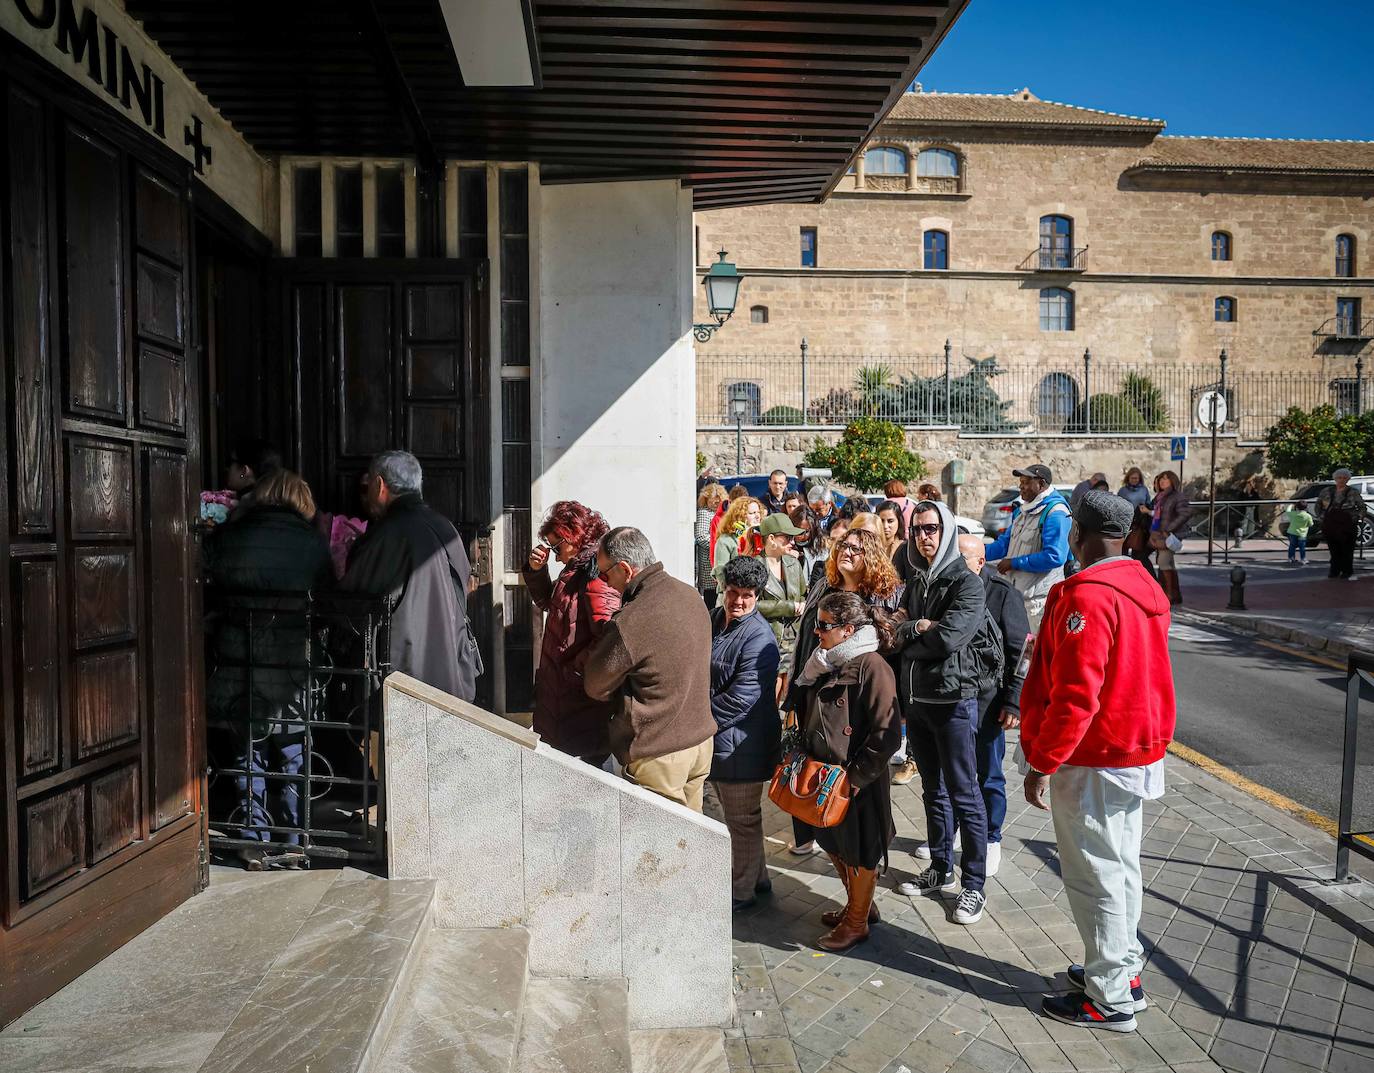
(968, 908)
(1076, 1008)
(931, 881)
(1138, 1003)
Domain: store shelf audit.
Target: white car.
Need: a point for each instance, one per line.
(968, 525)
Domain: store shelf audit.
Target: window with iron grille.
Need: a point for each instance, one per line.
(1347, 316)
(1221, 246)
(753, 395)
(1345, 255)
(1056, 309)
(808, 247)
(884, 161)
(936, 249)
(1224, 310)
(1345, 396)
(1056, 398)
(1056, 242)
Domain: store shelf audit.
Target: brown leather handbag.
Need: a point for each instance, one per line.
(815, 793)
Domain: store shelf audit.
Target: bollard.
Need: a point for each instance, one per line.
(1238, 534)
(1237, 589)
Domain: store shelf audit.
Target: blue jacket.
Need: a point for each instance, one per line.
(1054, 540)
(744, 672)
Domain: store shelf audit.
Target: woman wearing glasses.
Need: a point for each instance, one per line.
(859, 564)
(848, 716)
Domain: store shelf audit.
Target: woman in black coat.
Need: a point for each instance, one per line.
(259, 648)
(744, 668)
(850, 717)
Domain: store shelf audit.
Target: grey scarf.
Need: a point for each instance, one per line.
(826, 661)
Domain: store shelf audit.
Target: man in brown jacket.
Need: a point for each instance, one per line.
(653, 664)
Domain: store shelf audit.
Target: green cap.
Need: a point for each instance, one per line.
(780, 523)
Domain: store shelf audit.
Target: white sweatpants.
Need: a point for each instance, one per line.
(1097, 825)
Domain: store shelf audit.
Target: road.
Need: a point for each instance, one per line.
(1278, 719)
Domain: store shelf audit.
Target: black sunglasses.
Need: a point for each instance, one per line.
(929, 529)
(826, 627)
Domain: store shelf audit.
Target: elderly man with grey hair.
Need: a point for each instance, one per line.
(1341, 509)
(653, 664)
(413, 555)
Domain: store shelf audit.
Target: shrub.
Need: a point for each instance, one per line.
(1110, 413)
(1148, 399)
(701, 461)
(973, 402)
(782, 415)
(1309, 444)
(868, 455)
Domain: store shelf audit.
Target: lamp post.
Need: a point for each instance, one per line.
(739, 406)
(722, 282)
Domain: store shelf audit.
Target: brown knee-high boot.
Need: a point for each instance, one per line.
(1171, 586)
(853, 928)
(831, 917)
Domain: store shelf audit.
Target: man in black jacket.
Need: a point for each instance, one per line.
(413, 554)
(947, 654)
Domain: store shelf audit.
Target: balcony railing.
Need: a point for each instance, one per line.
(1055, 259)
(1347, 328)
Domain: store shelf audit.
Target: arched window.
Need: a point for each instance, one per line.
(1056, 242)
(1345, 255)
(1056, 310)
(751, 395)
(1221, 245)
(1056, 398)
(936, 249)
(758, 314)
(884, 161)
(1224, 309)
(937, 164)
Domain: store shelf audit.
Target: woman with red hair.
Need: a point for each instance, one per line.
(577, 607)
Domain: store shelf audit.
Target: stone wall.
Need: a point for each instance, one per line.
(989, 460)
(610, 880)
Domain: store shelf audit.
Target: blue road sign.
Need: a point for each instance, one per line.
(1178, 448)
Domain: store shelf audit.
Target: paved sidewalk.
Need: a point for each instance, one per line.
(1245, 973)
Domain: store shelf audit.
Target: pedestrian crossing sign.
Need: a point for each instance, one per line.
(1178, 448)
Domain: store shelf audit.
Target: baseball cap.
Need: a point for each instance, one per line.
(779, 523)
(1038, 471)
(1104, 513)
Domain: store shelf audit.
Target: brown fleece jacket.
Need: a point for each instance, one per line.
(653, 664)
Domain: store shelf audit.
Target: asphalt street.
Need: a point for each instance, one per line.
(1278, 719)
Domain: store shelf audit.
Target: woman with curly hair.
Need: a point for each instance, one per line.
(577, 607)
(858, 563)
(709, 502)
(742, 515)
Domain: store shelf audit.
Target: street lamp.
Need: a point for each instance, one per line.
(739, 406)
(722, 282)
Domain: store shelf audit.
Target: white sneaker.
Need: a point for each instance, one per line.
(994, 858)
(806, 849)
(922, 850)
(968, 907)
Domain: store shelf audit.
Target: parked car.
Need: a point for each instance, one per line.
(1308, 493)
(968, 525)
(997, 512)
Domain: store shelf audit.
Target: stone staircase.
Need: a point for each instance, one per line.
(337, 972)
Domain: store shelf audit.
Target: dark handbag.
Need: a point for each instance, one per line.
(815, 793)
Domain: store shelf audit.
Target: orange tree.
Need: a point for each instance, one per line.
(869, 454)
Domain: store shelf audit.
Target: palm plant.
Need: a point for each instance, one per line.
(871, 382)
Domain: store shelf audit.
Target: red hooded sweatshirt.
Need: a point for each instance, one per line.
(1100, 690)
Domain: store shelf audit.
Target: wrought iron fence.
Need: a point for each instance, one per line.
(983, 395)
(295, 751)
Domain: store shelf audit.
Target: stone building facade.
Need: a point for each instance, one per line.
(1032, 231)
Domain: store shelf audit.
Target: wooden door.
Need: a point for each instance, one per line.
(100, 749)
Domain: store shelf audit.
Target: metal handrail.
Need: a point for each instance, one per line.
(1050, 259)
(1346, 328)
(1359, 668)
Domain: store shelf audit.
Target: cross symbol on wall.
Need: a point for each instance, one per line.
(204, 153)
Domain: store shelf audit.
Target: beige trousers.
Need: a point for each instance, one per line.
(679, 776)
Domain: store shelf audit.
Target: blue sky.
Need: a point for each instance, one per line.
(1260, 68)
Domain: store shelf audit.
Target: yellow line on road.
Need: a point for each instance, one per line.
(1312, 657)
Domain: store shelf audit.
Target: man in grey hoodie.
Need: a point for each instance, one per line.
(950, 653)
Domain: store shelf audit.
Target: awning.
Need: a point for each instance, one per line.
(745, 101)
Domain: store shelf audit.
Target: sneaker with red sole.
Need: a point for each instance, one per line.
(1079, 980)
(1076, 1008)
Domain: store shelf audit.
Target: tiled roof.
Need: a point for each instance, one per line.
(1020, 108)
(1263, 154)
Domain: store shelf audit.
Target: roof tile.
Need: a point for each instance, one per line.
(1018, 108)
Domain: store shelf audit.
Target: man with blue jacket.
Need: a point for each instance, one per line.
(1031, 553)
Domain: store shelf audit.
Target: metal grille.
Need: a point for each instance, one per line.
(295, 750)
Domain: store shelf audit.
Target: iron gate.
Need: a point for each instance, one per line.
(293, 707)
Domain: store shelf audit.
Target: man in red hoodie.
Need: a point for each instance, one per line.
(1097, 714)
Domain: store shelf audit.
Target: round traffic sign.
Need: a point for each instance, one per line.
(1205, 403)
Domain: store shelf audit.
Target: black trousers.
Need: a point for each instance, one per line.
(1342, 555)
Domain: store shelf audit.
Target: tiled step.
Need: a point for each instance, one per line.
(575, 1026)
(460, 1009)
(678, 1050)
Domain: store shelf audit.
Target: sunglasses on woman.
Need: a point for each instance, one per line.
(825, 627)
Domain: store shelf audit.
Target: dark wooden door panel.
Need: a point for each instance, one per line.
(432, 371)
(55, 839)
(434, 311)
(100, 486)
(103, 595)
(434, 430)
(170, 693)
(115, 821)
(40, 703)
(159, 217)
(31, 459)
(160, 312)
(93, 275)
(161, 389)
(105, 698)
(364, 332)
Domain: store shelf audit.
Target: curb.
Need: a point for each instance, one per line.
(1275, 631)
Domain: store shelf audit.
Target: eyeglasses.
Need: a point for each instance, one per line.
(825, 627)
(930, 529)
(856, 546)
